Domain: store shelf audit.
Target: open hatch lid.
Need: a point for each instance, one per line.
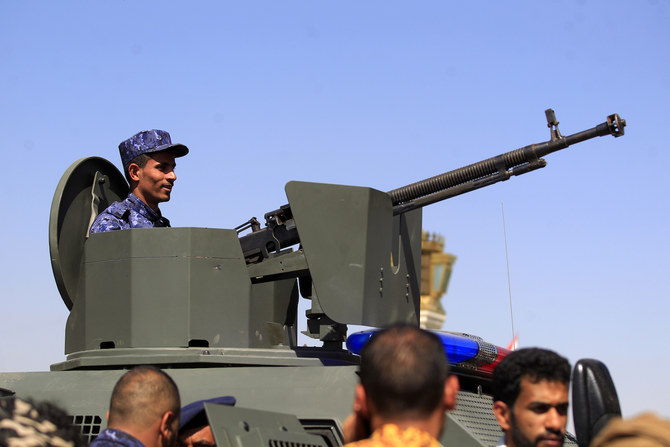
(87, 187)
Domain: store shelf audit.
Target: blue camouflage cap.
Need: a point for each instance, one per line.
(146, 142)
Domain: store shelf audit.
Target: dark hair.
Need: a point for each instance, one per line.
(534, 363)
(140, 160)
(142, 395)
(36, 423)
(403, 371)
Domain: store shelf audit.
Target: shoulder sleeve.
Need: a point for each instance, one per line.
(113, 218)
(104, 223)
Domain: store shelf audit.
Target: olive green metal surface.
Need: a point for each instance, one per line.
(86, 188)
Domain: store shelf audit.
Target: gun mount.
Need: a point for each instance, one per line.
(281, 230)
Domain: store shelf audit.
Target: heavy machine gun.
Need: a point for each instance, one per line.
(266, 250)
(280, 231)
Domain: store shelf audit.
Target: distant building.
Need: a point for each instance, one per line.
(435, 274)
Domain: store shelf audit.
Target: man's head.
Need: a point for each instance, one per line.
(530, 393)
(145, 403)
(194, 428)
(148, 159)
(405, 379)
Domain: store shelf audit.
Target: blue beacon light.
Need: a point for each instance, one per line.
(459, 349)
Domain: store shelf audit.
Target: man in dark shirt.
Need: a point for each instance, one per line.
(148, 159)
(143, 412)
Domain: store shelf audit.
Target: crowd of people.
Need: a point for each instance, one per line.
(402, 399)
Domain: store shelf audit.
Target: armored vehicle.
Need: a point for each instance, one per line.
(217, 308)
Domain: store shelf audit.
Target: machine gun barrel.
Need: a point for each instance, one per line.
(498, 168)
(280, 231)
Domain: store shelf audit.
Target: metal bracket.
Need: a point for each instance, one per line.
(96, 193)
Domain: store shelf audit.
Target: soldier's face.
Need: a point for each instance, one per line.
(155, 180)
(539, 415)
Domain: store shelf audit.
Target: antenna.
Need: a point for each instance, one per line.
(509, 282)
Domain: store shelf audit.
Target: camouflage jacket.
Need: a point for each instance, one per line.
(111, 437)
(131, 213)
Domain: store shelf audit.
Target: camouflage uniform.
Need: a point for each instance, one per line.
(131, 213)
(111, 437)
(30, 423)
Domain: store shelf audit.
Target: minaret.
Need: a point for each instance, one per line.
(435, 273)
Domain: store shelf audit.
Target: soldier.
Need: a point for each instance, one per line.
(405, 389)
(530, 393)
(148, 159)
(143, 412)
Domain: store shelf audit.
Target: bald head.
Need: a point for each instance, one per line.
(141, 397)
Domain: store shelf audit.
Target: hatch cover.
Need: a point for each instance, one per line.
(87, 187)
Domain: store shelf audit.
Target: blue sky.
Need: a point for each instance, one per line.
(376, 94)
